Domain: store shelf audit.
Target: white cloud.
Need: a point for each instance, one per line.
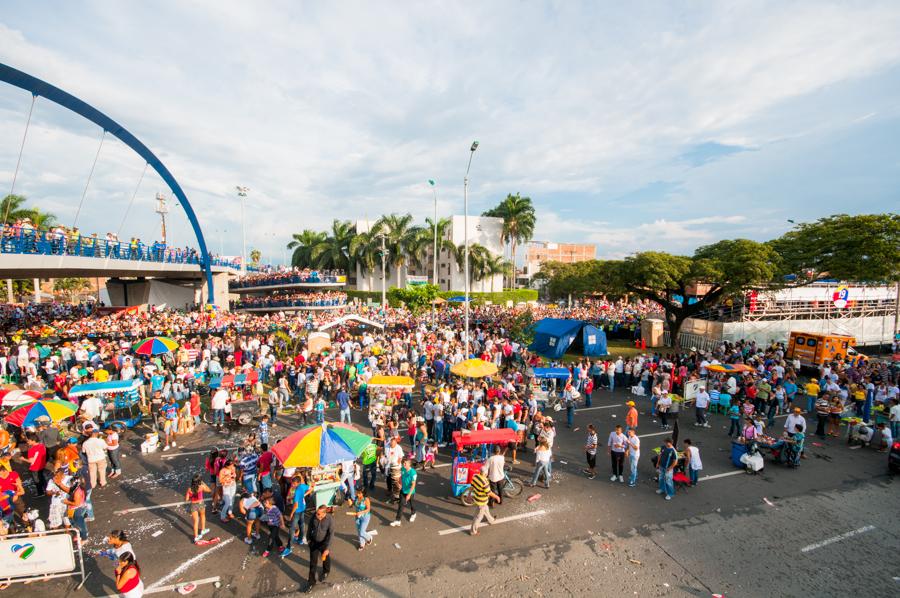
(341, 111)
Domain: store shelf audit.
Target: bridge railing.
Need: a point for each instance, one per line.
(45, 242)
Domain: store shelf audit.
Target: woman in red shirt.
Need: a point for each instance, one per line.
(128, 577)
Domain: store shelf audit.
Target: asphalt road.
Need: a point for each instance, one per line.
(733, 534)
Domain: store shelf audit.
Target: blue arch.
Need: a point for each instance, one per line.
(43, 89)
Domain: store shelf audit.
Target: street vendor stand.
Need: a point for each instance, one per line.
(120, 398)
(545, 383)
(464, 467)
(382, 391)
(242, 406)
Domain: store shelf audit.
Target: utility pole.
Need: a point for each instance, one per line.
(162, 209)
(242, 194)
(383, 274)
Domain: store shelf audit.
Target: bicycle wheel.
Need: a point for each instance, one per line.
(513, 487)
(466, 498)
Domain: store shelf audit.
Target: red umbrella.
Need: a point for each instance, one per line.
(17, 397)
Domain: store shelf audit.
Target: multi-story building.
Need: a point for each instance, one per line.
(540, 252)
(483, 230)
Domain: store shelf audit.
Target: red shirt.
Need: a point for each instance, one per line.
(41, 451)
(265, 462)
(9, 483)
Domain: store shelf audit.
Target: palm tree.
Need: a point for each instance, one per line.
(519, 220)
(255, 256)
(478, 260)
(333, 253)
(365, 250)
(422, 248)
(12, 209)
(400, 239)
(495, 265)
(302, 245)
(42, 220)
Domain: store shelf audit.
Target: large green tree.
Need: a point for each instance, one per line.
(864, 248)
(13, 208)
(333, 253)
(400, 239)
(519, 221)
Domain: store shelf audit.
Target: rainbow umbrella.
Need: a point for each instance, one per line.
(474, 368)
(729, 367)
(55, 409)
(319, 445)
(155, 345)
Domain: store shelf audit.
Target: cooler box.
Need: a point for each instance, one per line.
(738, 450)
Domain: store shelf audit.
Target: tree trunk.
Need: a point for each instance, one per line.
(675, 321)
(512, 253)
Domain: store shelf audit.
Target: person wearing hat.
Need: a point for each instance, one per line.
(631, 418)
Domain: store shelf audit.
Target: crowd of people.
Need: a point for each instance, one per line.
(284, 276)
(301, 299)
(411, 426)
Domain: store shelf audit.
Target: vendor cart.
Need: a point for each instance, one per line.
(546, 385)
(383, 394)
(242, 406)
(121, 398)
(471, 450)
(325, 482)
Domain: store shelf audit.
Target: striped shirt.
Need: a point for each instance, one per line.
(480, 489)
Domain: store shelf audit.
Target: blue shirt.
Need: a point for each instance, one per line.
(343, 399)
(248, 464)
(407, 477)
(156, 382)
(169, 411)
(666, 457)
(300, 497)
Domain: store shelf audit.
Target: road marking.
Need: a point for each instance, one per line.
(186, 565)
(720, 475)
(174, 587)
(844, 536)
(579, 410)
(656, 434)
(442, 465)
(206, 452)
(463, 528)
(152, 507)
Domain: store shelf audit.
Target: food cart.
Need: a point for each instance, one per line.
(470, 453)
(384, 393)
(242, 406)
(325, 481)
(121, 398)
(546, 385)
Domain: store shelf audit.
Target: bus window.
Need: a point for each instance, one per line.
(811, 342)
(844, 344)
(800, 340)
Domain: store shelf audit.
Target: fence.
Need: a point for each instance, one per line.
(686, 341)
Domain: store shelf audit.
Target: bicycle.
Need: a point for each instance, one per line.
(512, 487)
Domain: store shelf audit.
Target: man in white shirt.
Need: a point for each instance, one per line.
(701, 405)
(95, 451)
(496, 474)
(217, 404)
(793, 420)
(393, 455)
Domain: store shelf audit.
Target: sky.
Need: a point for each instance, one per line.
(636, 126)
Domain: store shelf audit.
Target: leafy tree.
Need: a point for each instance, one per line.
(400, 239)
(12, 209)
(71, 286)
(521, 327)
(858, 248)
(255, 256)
(423, 245)
(519, 221)
(302, 244)
(365, 250)
(416, 298)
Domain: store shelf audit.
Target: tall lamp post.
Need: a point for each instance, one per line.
(434, 276)
(383, 273)
(242, 193)
(466, 239)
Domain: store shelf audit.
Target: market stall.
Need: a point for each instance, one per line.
(120, 398)
(384, 392)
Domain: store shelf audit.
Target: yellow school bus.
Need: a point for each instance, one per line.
(813, 349)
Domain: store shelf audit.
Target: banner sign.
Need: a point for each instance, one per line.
(36, 555)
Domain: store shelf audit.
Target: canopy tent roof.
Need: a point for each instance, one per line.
(493, 436)
(558, 373)
(390, 381)
(351, 318)
(104, 388)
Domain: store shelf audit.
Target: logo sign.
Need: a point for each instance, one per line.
(36, 555)
(592, 339)
(552, 341)
(841, 297)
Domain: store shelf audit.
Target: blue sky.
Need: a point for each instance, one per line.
(656, 125)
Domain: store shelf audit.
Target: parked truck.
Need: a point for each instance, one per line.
(814, 349)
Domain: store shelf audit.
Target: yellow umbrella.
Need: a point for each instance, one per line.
(474, 368)
(390, 381)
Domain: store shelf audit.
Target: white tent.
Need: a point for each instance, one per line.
(351, 318)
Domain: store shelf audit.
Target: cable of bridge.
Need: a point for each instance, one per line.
(90, 176)
(21, 150)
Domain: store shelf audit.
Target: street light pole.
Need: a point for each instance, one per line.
(242, 193)
(434, 276)
(466, 240)
(383, 274)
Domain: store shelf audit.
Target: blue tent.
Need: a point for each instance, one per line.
(553, 337)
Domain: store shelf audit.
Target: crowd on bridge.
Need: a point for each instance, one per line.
(286, 276)
(287, 300)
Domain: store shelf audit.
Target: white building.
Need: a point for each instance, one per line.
(483, 230)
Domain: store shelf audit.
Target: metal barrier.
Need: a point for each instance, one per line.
(45, 242)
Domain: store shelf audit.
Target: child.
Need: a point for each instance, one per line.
(196, 506)
(320, 410)
(275, 520)
(734, 414)
(431, 453)
(692, 456)
(252, 510)
(263, 430)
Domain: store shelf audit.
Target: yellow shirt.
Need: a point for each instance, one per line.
(812, 389)
(101, 375)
